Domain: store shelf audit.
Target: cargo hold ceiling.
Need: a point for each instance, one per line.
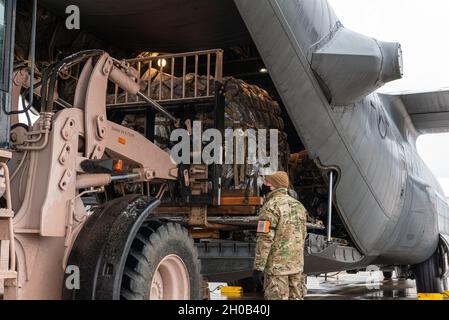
(162, 25)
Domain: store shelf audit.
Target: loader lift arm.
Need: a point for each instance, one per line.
(102, 137)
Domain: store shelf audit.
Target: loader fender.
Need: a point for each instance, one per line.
(102, 247)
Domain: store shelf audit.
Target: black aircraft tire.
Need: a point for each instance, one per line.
(427, 274)
(388, 275)
(155, 243)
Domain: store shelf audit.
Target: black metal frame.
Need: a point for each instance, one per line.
(220, 125)
(183, 110)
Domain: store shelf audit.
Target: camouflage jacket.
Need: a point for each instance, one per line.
(280, 247)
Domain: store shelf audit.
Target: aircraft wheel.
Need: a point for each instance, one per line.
(388, 275)
(402, 273)
(428, 275)
(162, 264)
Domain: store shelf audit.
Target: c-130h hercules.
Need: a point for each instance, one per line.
(363, 142)
(392, 205)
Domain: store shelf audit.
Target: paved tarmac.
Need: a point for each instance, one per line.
(343, 286)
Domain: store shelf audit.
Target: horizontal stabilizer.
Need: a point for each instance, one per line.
(429, 111)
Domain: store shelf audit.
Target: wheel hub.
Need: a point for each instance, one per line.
(171, 280)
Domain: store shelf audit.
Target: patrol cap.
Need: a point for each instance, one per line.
(278, 180)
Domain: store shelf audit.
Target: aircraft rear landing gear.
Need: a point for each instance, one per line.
(429, 274)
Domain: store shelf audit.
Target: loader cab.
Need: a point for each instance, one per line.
(7, 13)
(5, 42)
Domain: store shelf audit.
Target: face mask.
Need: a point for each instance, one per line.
(264, 190)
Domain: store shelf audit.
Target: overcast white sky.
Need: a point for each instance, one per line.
(422, 28)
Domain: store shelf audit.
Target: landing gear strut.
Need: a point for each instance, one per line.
(429, 276)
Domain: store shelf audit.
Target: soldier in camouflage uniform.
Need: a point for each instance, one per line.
(280, 246)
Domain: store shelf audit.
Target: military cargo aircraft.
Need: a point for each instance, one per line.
(385, 200)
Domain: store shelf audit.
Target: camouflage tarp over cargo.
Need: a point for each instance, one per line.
(280, 251)
(246, 107)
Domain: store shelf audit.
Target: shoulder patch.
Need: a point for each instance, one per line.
(263, 227)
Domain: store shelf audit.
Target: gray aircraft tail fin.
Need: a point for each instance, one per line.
(347, 65)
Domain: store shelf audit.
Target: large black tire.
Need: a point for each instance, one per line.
(388, 275)
(428, 275)
(154, 242)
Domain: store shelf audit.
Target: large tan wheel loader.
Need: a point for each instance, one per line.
(73, 152)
